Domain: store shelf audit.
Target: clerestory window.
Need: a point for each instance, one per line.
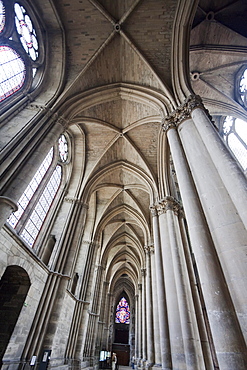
(242, 86)
(234, 133)
(21, 52)
(36, 200)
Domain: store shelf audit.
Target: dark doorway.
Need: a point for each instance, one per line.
(14, 286)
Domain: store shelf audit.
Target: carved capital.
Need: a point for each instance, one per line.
(168, 123)
(183, 112)
(153, 210)
(149, 248)
(169, 204)
(143, 272)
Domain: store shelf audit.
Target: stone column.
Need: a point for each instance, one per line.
(140, 318)
(155, 312)
(150, 337)
(137, 313)
(144, 316)
(230, 349)
(173, 314)
(16, 186)
(191, 353)
(163, 323)
(230, 172)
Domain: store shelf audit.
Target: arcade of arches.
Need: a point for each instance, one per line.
(123, 202)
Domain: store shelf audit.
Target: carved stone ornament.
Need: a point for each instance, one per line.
(183, 112)
(168, 204)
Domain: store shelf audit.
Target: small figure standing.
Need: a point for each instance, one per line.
(114, 361)
(133, 362)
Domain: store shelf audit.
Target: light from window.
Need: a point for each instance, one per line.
(12, 72)
(2, 16)
(41, 209)
(243, 87)
(30, 190)
(235, 135)
(122, 312)
(26, 31)
(63, 148)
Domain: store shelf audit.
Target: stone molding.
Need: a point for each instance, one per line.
(9, 202)
(76, 201)
(183, 112)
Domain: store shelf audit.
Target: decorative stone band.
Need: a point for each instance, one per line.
(9, 202)
(183, 112)
(76, 201)
(92, 313)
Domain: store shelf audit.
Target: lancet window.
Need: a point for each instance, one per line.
(36, 200)
(234, 132)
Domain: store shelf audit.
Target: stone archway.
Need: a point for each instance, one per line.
(14, 286)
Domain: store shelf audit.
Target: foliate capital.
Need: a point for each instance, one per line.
(153, 210)
(183, 112)
(149, 249)
(169, 204)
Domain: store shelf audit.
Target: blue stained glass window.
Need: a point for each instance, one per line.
(122, 312)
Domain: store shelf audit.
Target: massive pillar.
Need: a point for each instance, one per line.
(136, 327)
(163, 323)
(184, 338)
(140, 318)
(149, 313)
(155, 311)
(210, 236)
(144, 316)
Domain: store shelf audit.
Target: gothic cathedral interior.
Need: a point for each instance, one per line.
(123, 193)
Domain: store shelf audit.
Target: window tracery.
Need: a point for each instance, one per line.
(243, 87)
(36, 200)
(20, 52)
(234, 132)
(122, 312)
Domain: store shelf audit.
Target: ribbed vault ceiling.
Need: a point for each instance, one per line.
(118, 82)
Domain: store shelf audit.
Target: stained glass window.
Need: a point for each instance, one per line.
(12, 72)
(243, 87)
(2, 16)
(26, 31)
(122, 312)
(63, 148)
(30, 190)
(36, 200)
(41, 209)
(16, 70)
(235, 136)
